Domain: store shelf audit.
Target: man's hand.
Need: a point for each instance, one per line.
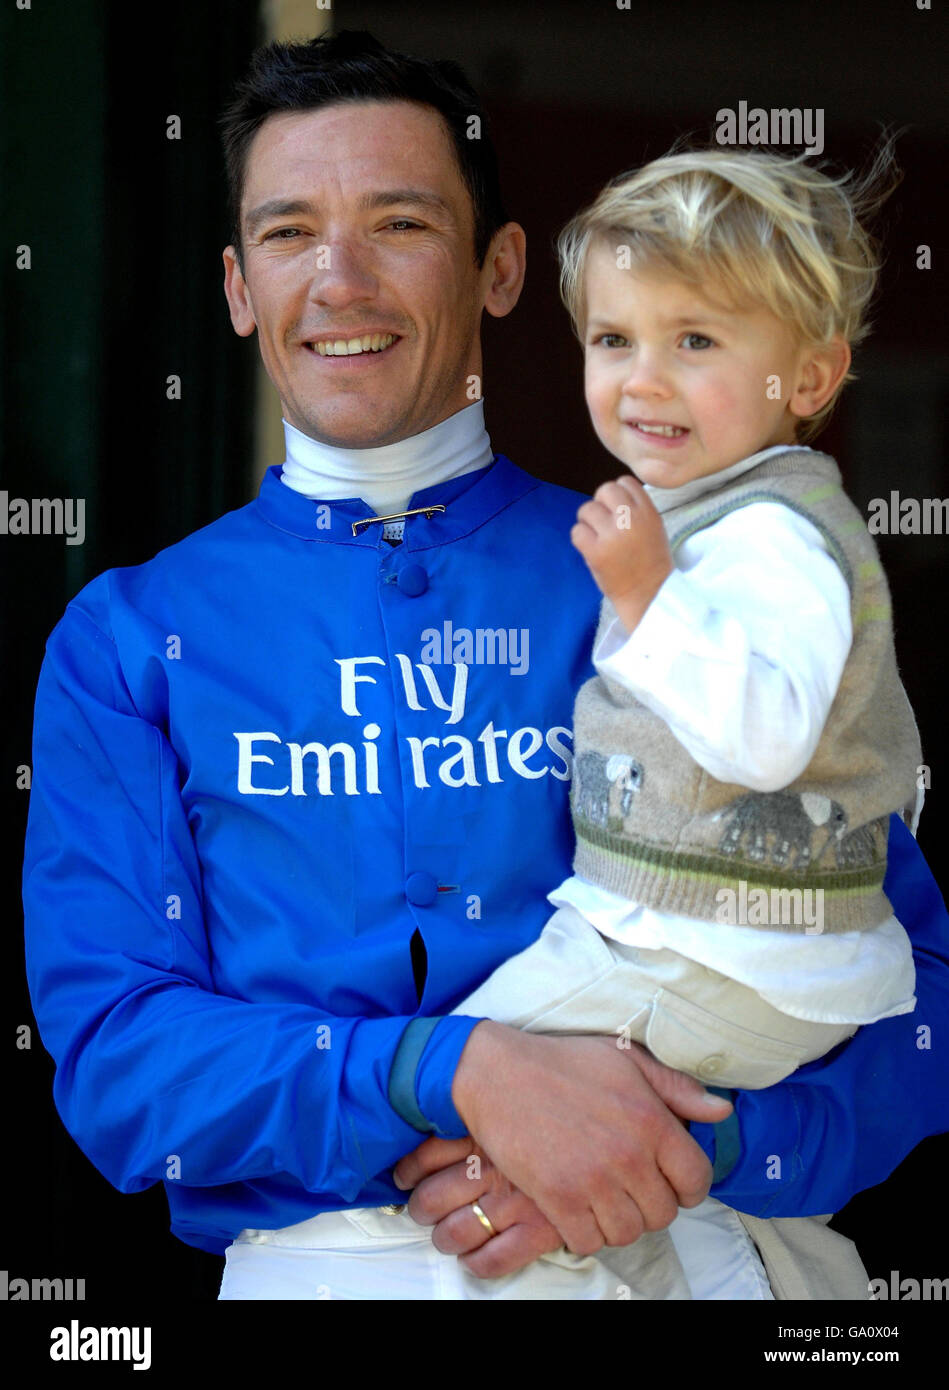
(621, 536)
(448, 1175)
(586, 1129)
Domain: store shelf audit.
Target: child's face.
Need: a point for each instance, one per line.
(658, 353)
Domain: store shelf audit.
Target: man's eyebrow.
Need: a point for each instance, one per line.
(291, 207)
(276, 207)
(417, 197)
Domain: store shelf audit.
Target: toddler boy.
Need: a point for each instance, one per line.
(747, 736)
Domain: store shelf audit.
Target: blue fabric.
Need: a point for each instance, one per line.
(405, 1063)
(727, 1144)
(436, 1072)
(250, 788)
(217, 926)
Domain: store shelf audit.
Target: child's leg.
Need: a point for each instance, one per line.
(573, 980)
(722, 1032)
(570, 980)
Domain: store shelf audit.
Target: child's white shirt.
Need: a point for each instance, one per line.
(748, 634)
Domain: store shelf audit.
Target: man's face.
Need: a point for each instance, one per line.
(677, 386)
(380, 242)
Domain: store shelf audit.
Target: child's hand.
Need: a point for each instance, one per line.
(621, 536)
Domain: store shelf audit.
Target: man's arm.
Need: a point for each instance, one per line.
(158, 1074)
(845, 1122)
(801, 1148)
(152, 1062)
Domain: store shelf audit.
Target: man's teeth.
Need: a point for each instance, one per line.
(350, 347)
(669, 430)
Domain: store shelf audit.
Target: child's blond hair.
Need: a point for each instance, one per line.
(766, 230)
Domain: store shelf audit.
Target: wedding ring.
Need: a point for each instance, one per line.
(485, 1221)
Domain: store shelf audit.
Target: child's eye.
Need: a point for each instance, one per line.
(697, 340)
(608, 339)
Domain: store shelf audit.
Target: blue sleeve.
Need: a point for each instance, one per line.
(845, 1122)
(152, 1062)
(423, 1071)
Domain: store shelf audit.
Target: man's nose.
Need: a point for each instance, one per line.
(343, 273)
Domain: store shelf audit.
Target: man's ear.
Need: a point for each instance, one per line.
(502, 277)
(820, 372)
(238, 295)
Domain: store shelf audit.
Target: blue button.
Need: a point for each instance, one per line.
(413, 580)
(421, 889)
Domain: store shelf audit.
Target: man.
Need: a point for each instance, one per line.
(293, 799)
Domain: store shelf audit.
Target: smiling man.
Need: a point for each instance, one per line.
(386, 346)
(266, 859)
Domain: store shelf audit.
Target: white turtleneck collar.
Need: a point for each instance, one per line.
(386, 477)
(665, 498)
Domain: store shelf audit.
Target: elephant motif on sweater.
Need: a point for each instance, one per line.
(858, 847)
(780, 825)
(594, 780)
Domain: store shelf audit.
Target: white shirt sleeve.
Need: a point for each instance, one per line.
(742, 649)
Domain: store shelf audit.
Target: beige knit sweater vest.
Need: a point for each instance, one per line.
(655, 827)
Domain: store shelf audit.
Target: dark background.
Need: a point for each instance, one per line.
(126, 230)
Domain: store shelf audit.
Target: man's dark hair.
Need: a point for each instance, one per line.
(353, 66)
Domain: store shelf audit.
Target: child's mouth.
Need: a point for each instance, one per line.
(661, 435)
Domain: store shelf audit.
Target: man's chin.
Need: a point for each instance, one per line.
(347, 433)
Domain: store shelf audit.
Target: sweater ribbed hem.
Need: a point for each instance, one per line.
(691, 884)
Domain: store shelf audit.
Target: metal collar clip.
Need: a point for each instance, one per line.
(394, 516)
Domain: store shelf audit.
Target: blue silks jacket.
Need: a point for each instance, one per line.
(266, 757)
